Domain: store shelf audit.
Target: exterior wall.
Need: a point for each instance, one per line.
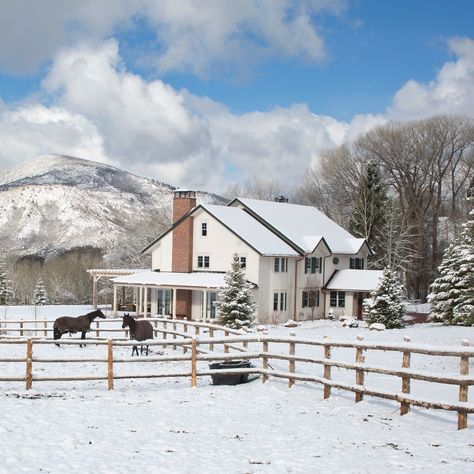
(312, 282)
(271, 282)
(161, 256)
(220, 245)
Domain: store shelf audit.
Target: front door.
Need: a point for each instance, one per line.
(210, 306)
(360, 309)
(163, 300)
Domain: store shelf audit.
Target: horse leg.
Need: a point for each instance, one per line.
(83, 336)
(147, 351)
(134, 348)
(56, 334)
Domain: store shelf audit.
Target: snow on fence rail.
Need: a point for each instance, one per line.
(198, 353)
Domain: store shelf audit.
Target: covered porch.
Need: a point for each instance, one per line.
(171, 294)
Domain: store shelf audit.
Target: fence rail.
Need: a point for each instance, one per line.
(195, 350)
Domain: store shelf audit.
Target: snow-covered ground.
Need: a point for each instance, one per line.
(165, 426)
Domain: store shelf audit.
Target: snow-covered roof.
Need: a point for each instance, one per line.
(303, 225)
(250, 230)
(355, 280)
(174, 279)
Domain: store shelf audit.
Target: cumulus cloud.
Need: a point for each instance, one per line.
(450, 92)
(96, 109)
(191, 35)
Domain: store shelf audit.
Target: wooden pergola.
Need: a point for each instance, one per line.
(109, 273)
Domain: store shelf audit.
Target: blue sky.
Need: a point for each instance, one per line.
(205, 93)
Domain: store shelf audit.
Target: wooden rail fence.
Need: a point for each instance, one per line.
(197, 346)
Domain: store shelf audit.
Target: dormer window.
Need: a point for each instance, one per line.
(356, 263)
(313, 265)
(204, 229)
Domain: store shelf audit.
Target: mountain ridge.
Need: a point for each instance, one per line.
(54, 203)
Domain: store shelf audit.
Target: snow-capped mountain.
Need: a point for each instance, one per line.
(54, 203)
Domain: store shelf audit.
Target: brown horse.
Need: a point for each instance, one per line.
(139, 330)
(78, 324)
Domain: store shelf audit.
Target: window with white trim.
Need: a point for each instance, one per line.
(203, 261)
(204, 229)
(280, 301)
(310, 299)
(337, 299)
(356, 263)
(313, 265)
(280, 264)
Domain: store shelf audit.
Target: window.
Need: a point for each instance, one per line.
(243, 262)
(203, 261)
(281, 264)
(280, 301)
(338, 299)
(310, 299)
(313, 265)
(356, 263)
(283, 301)
(204, 229)
(275, 301)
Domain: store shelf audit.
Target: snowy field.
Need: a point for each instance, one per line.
(165, 426)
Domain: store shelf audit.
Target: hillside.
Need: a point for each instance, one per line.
(55, 203)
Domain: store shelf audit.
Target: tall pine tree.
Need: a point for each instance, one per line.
(369, 210)
(385, 302)
(452, 293)
(235, 306)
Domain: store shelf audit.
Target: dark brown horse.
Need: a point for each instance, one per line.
(78, 324)
(139, 330)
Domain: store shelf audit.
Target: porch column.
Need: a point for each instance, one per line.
(114, 308)
(94, 291)
(137, 302)
(145, 302)
(204, 305)
(174, 304)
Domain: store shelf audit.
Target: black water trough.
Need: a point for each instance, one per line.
(230, 379)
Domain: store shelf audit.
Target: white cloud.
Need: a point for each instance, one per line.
(192, 35)
(450, 92)
(98, 110)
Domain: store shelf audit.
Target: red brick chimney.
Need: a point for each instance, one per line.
(182, 256)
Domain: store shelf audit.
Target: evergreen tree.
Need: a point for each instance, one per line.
(385, 302)
(40, 296)
(452, 293)
(368, 217)
(235, 306)
(6, 293)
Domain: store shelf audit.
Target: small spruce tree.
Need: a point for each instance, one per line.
(6, 293)
(40, 295)
(235, 306)
(385, 302)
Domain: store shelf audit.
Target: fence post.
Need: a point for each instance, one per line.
(464, 370)
(97, 329)
(265, 360)
(291, 363)
(226, 347)
(156, 328)
(193, 362)
(327, 368)
(110, 365)
(185, 328)
(21, 328)
(165, 333)
(29, 364)
(211, 334)
(359, 358)
(406, 360)
(45, 325)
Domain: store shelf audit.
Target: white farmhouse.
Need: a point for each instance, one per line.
(301, 263)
